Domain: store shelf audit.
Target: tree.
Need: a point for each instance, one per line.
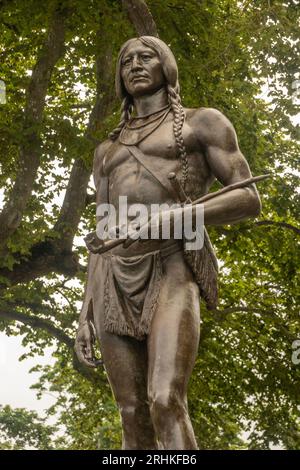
(58, 66)
(20, 429)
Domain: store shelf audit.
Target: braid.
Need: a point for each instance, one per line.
(126, 110)
(179, 117)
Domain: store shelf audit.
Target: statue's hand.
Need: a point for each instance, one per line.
(84, 345)
(137, 232)
(93, 242)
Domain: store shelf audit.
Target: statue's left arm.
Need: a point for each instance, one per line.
(217, 137)
(85, 338)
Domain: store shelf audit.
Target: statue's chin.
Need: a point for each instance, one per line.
(142, 88)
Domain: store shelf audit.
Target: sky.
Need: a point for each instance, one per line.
(15, 380)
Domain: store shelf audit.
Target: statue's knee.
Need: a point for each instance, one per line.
(127, 411)
(164, 404)
(130, 411)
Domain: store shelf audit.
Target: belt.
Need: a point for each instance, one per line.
(164, 252)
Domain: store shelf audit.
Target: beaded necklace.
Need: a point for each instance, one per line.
(134, 134)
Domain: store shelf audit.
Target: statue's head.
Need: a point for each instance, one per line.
(144, 65)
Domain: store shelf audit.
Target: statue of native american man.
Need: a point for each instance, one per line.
(142, 300)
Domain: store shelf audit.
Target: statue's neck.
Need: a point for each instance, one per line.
(148, 104)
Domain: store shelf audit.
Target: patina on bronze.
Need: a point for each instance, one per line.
(142, 299)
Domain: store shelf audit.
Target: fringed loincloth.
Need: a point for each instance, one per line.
(132, 289)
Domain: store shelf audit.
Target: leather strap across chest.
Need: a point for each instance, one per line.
(148, 162)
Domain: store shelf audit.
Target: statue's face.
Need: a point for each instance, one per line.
(141, 70)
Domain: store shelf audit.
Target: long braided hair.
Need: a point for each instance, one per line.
(171, 75)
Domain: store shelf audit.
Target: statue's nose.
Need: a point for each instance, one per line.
(136, 64)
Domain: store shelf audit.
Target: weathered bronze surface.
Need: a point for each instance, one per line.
(143, 299)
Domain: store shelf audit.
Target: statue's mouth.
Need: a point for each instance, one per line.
(136, 78)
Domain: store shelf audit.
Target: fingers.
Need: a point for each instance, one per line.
(83, 357)
(84, 345)
(89, 352)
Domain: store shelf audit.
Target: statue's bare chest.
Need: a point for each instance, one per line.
(127, 175)
(160, 145)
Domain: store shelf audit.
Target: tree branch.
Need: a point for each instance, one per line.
(140, 16)
(73, 204)
(30, 150)
(221, 315)
(76, 193)
(296, 230)
(40, 323)
(261, 223)
(46, 257)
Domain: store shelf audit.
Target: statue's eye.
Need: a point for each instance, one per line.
(146, 57)
(126, 61)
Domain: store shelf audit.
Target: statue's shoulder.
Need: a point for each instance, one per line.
(204, 117)
(99, 154)
(101, 150)
(209, 124)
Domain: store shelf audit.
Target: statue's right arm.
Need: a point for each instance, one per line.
(85, 334)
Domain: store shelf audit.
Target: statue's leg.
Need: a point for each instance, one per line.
(172, 350)
(125, 362)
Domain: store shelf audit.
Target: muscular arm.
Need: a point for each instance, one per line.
(217, 136)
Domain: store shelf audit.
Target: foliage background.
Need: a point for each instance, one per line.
(57, 60)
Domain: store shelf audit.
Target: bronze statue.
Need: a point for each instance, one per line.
(143, 299)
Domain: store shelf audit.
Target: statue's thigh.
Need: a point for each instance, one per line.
(174, 337)
(125, 361)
